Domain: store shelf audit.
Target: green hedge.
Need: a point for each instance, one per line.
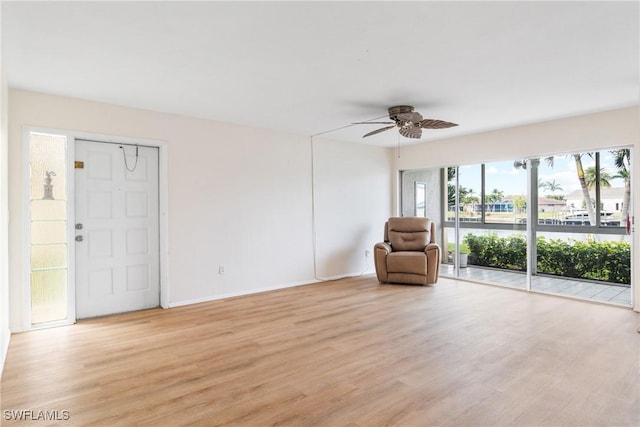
(606, 261)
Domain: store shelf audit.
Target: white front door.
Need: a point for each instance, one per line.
(117, 228)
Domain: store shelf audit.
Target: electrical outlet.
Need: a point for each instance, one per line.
(367, 253)
(221, 270)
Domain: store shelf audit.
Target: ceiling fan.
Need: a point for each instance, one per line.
(409, 123)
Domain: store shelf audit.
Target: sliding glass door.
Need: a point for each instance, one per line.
(563, 219)
(583, 245)
(491, 223)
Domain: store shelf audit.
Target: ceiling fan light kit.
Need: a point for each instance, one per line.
(408, 122)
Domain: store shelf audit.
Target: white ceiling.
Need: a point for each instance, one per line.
(308, 67)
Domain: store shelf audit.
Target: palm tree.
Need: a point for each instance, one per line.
(622, 160)
(494, 197)
(462, 192)
(553, 186)
(498, 195)
(469, 199)
(590, 178)
(585, 188)
(466, 196)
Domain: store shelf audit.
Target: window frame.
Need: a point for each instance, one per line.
(578, 229)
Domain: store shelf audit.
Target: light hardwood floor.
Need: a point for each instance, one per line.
(344, 353)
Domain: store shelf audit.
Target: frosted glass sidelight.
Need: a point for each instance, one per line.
(48, 153)
(48, 257)
(48, 296)
(48, 232)
(48, 210)
(48, 213)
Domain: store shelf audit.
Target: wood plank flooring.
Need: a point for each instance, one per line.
(343, 353)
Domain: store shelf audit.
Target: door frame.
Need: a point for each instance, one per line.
(163, 206)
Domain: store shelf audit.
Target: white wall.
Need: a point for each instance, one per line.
(352, 182)
(238, 197)
(574, 134)
(4, 221)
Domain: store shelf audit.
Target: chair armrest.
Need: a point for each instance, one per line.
(431, 247)
(384, 246)
(380, 252)
(432, 250)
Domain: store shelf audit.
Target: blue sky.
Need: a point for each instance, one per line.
(503, 176)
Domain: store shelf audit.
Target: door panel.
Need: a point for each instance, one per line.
(117, 261)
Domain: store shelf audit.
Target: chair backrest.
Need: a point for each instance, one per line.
(409, 233)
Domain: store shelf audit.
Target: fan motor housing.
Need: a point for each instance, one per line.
(399, 109)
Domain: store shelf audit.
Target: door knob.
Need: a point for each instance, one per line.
(78, 226)
(79, 238)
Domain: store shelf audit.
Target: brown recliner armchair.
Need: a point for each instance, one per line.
(409, 253)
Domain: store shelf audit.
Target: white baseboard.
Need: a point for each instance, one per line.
(5, 350)
(346, 275)
(265, 289)
(239, 293)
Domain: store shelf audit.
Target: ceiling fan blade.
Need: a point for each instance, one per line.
(379, 130)
(411, 132)
(372, 123)
(436, 124)
(412, 117)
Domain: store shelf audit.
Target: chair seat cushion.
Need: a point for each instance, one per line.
(407, 262)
